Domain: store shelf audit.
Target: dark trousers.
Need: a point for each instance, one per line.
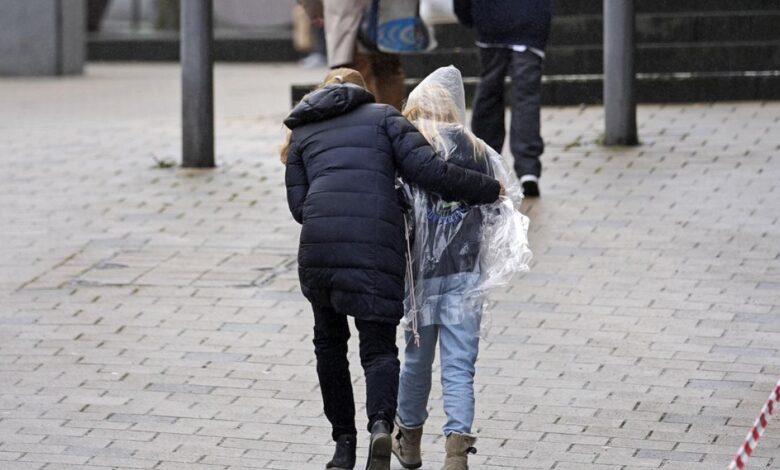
(379, 358)
(525, 140)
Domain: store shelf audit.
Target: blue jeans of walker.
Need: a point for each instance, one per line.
(459, 346)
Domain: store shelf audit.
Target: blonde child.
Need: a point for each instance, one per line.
(446, 283)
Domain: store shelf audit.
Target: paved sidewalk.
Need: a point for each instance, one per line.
(150, 317)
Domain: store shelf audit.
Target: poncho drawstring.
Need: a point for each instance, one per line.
(410, 281)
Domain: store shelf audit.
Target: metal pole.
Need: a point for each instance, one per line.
(619, 92)
(197, 84)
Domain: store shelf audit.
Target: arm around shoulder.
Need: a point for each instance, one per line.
(418, 163)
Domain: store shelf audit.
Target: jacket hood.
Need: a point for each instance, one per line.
(328, 102)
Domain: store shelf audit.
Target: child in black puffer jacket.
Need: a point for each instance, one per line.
(342, 158)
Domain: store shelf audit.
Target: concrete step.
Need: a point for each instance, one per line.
(650, 28)
(267, 46)
(565, 54)
(583, 29)
(566, 90)
(650, 58)
(577, 7)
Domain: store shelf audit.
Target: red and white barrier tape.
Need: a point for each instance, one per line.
(751, 441)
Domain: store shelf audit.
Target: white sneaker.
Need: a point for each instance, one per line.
(313, 61)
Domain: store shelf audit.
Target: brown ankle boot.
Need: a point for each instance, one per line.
(406, 445)
(458, 448)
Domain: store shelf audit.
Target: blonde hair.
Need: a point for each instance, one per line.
(433, 109)
(337, 76)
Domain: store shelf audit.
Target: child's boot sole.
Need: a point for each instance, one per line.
(408, 466)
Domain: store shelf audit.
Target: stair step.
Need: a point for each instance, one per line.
(566, 90)
(274, 46)
(655, 28)
(575, 7)
(650, 58)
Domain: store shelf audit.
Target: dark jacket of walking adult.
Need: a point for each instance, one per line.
(507, 22)
(343, 157)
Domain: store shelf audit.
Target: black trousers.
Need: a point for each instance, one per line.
(379, 358)
(525, 139)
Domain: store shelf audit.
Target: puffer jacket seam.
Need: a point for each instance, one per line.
(328, 129)
(400, 279)
(332, 191)
(391, 248)
(369, 294)
(372, 217)
(350, 169)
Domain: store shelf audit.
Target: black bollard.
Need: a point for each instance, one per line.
(197, 84)
(619, 86)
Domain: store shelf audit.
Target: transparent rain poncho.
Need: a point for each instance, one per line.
(458, 252)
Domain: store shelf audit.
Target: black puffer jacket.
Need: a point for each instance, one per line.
(344, 153)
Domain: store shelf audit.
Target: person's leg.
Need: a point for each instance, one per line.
(389, 83)
(384, 76)
(379, 358)
(413, 392)
(364, 63)
(415, 381)
(459, 346)
(525, 137)
(331, 332)
(487, 120)
(316, 56)
(318, 40)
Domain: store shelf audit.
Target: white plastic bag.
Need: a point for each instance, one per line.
(438, 11)
(395, 27)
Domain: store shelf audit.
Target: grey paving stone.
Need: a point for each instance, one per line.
(151, 318)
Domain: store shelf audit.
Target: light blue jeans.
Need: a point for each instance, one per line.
(459, 346)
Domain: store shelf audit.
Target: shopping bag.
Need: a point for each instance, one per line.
(395, 26)
(438, 11)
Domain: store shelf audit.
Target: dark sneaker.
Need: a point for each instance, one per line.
(380, 446)
(531, 188)
(344, 457)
